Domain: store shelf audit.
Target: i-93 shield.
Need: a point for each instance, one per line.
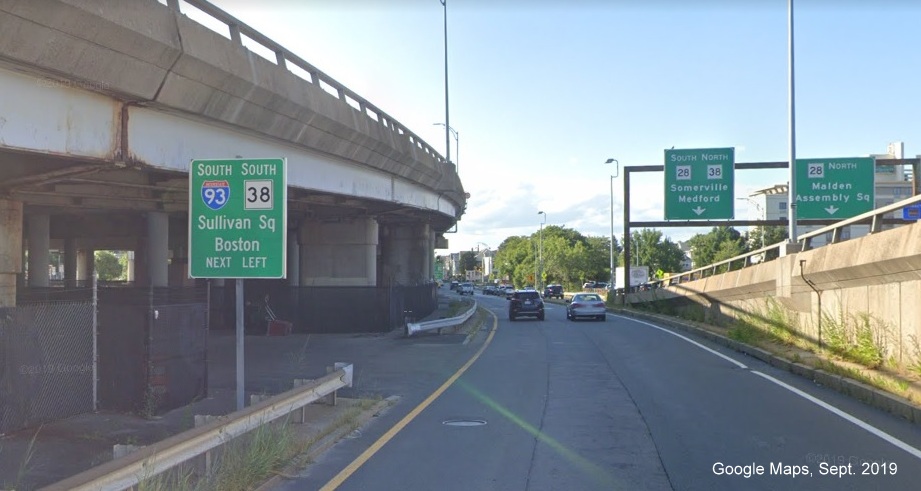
(215, 194)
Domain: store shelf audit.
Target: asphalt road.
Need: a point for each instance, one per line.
(621, 404)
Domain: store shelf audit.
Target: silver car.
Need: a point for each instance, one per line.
(586, 305)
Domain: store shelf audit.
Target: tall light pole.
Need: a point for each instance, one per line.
(456, 145)
(761, 215)
(791, 191)
(540, 241)
(616, 172)
(444, 3)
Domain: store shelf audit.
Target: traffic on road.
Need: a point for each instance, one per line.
(623, 404)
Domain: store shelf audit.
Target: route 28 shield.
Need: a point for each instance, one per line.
(215, 194)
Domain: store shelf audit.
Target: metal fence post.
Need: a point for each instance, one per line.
(95, 342)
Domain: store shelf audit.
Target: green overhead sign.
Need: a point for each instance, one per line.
(237, 218)
(699, 184)
(836, 188)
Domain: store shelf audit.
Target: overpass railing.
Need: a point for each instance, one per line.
(876, 219)
(238, 29)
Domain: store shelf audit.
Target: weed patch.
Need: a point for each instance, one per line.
(858, 338)
(915, 365)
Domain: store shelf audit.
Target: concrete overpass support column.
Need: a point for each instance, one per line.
(427, 244)
(129, 267)
(158, 248)
(10, 250)
(39, 243)
(338, 254)
(141, 276)
(90, 266)
(70, 262)
(86, 265)
(398, 253)
(83, 258)
(294, 261)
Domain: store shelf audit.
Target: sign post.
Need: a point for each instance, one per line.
(699, 184)
(837, 188)
(238, 222)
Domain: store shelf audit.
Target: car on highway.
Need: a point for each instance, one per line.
(586, 305)
(551, 291)
(507, 292)
(465, 289)
(525, 303)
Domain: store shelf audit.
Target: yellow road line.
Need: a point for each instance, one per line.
(392, 432)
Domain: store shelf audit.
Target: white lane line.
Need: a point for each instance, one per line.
(832, 409)
(872, 429)
(695, 343)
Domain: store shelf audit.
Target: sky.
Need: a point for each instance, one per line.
(543, 92)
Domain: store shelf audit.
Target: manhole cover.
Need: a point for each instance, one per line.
(464, 422)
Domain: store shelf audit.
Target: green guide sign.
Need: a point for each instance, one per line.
(237, 218)
(699, 183)
(834, 188)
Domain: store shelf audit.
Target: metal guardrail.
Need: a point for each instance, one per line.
(875, 217)
(237, 29)
(414, 327)
(149, 461)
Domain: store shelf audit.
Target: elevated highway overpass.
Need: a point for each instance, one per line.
(105, 104)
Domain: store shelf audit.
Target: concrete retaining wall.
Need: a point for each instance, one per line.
(877, 275)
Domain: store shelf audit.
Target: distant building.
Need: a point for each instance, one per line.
(685, 247)
(485, 260)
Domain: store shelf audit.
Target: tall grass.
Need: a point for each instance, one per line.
(859, 338)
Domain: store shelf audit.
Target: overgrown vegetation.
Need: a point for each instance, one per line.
(859, 338)
(26, 464)
(457, 307)
(151, 403)
(915, 365)
(753, 328)
(251, 459)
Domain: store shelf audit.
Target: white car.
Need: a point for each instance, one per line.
(465, 289)
(586, 305)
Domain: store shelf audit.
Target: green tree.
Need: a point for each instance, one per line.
(719, 244)
(123, 261)
(649, 248)
(772, 235)
(468, 262)
(108, 266)
(568, 257)
(515, 259)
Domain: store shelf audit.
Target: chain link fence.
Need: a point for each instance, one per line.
(46, 360)
(152, 348)
(67, 351)
(319, 309)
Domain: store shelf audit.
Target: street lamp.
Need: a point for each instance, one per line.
(616, 169)
(540, 241)
(761, 215)
(456, 146)
(444, 3)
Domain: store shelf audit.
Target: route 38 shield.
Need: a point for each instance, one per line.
(215, 194)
